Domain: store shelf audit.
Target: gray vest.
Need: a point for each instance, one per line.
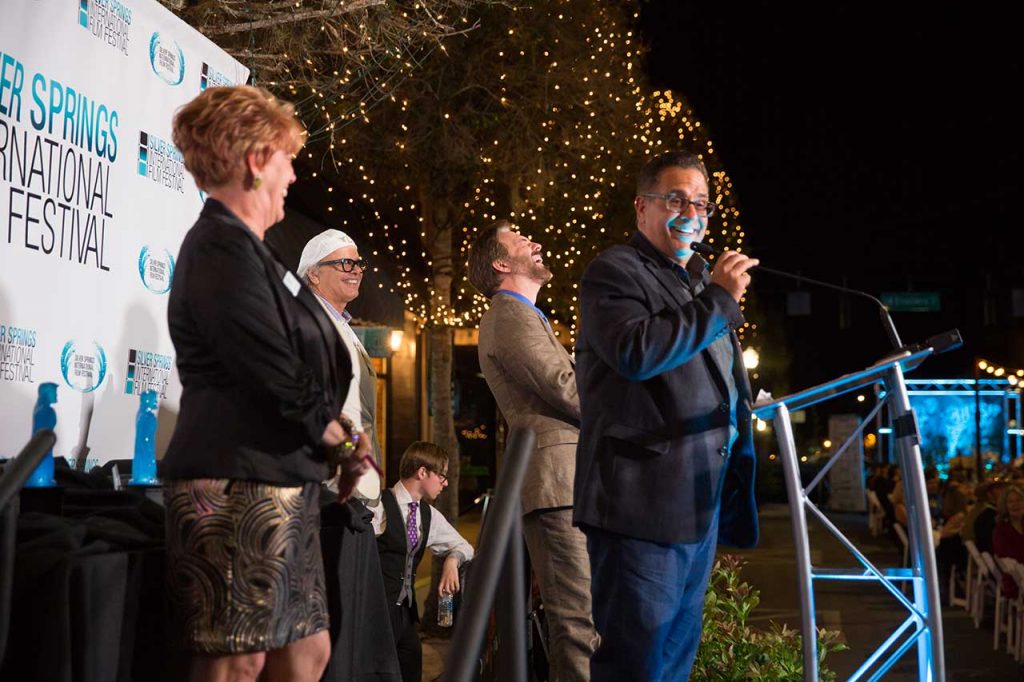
(399, 561)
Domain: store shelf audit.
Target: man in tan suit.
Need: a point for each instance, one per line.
(534, 382)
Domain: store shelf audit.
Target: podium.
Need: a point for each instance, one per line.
(923, 624)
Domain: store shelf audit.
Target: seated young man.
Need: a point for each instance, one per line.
(406, 526)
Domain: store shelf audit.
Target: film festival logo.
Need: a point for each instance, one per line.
(156, 268)
(161, 162)
(83, 365)
(210, 77)
(108, 21)
(167, 59)
(17, 348)
(147, 371)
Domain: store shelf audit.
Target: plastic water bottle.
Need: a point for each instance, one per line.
(445, 616)
(44, 417)
(144, 461)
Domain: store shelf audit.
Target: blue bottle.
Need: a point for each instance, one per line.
(44, 417)
(144, 461)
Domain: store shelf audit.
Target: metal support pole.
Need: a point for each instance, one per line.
(920, 590)
(919, 531)
(1006, 457)
(482, 582)
(1020, 425)
(795, 494)
(979, 474)
(511, 610)
(880, 455)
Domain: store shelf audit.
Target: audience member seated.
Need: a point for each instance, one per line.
(931, 484)
(875, 471)
(955, 496)
(981, 518)
(406, 526)
(1008, 536)
(885, 486)
(950, 551)
(949, 548)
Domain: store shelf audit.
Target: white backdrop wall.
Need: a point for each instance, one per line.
(94, 203)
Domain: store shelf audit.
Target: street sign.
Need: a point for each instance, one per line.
(912, 301)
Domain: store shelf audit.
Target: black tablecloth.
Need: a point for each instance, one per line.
(89, 601)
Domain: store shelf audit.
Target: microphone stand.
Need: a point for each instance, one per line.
(922, 570)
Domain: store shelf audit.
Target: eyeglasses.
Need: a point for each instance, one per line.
(443, 477)
(346, 264)
(677, 203)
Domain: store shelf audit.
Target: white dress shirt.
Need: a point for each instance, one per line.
(352, 407)
(443, 538)
(369, 485)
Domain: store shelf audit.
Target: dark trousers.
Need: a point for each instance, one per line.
(407, 642)
(648, 601)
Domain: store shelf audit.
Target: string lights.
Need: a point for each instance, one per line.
(541, 116)
(430, 119)
(1015, 377)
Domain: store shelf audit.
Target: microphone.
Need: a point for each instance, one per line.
(890, 328)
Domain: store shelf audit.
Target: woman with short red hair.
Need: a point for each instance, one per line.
(264, 376)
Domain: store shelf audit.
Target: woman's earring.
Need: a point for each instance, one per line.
(256, 182)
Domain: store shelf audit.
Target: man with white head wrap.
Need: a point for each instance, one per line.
(331, 265)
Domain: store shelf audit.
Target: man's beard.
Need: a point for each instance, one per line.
(538, 272)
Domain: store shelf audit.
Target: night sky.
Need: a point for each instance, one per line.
(869, 145)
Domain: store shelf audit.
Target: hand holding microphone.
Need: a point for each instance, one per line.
(730, 271)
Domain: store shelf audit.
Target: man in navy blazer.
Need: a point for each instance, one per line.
(665, 462)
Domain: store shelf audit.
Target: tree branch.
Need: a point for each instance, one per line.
(291, 18)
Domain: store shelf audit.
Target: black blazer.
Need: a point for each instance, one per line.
(652, 460)
(263, 370)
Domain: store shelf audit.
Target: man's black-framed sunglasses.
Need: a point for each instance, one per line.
(347, 264)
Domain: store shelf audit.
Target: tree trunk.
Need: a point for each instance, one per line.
(438, 230)
(442, 421)
(442, 427)
(437, 219)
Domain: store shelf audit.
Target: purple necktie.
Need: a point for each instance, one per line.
(411, 530)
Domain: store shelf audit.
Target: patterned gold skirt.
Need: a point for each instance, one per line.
(244, 566)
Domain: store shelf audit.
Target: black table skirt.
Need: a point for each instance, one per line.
(89, 603)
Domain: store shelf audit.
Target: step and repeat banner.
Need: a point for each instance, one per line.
(94, 203)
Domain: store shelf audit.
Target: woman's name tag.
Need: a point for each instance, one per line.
(291, 282)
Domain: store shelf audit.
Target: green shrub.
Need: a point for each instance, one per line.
(732, 650)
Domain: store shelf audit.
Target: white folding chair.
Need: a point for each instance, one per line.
(1010, 567)
(999, 622)
(963, 597)
(1018, 572)
(981, 583)
(973, 559)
